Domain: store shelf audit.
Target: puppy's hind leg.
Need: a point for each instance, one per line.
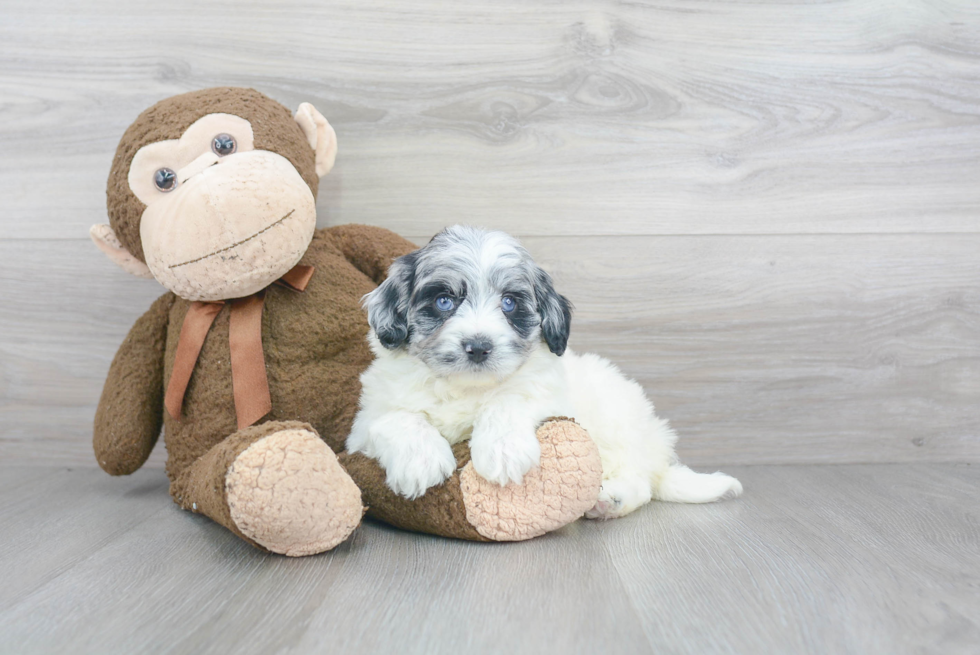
(619, 496)
(680, 484)
(636, 446)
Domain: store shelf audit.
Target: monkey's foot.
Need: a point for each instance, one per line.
(559, 491)
(466, 506)
(287, 493)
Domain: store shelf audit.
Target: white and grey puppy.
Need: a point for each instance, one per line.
(470, 343)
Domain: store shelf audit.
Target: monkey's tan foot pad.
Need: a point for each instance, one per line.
(288, 493)
(466, 506)
(559, 491)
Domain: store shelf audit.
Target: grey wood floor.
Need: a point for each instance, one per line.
(814, 559)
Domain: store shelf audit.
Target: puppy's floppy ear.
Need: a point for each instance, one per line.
(555, 311)
(387, 306)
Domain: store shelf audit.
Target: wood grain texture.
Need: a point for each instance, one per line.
(585, 117)
(789, 349)
(819, 559)
(766, 213)
(758, 349)
(843, 559)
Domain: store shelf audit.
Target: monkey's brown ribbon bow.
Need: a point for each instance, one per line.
(248, 376)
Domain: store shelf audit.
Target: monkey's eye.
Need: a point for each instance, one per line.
(165, 179)
(508, 304)
(223, 144)
(444, 303)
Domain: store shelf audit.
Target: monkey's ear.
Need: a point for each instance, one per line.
(106, 240)
(320, 135)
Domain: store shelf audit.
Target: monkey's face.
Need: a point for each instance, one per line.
(222, 219)
(213, 192)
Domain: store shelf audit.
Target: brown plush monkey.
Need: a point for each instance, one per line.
(250, 361)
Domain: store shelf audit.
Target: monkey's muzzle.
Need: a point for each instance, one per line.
(230, 229)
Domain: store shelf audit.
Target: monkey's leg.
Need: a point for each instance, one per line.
(277, 485)
(559, 491)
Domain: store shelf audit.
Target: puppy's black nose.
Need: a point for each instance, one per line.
(478, 349)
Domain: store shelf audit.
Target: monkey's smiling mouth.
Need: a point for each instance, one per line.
(236, 244)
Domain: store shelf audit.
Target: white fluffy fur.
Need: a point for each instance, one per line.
(411, 411)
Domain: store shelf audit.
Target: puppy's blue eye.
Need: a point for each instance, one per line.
(508, 304)
(444, 303)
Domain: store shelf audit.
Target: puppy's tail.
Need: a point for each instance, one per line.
(682, 485)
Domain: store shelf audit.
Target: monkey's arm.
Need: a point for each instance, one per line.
(130, 413)
(370, 249)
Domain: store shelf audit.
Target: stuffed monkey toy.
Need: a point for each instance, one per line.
(250, 362)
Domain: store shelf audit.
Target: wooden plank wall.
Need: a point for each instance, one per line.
(767, 213)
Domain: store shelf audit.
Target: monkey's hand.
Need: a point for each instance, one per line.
(130, 413)
(370, 249)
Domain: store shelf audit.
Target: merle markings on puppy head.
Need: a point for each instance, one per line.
(469, 301)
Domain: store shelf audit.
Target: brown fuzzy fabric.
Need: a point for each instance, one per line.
(314, 342)
(465, 506)
(130, 412)
(315, 345)
(440, 511)
(315, 348)
(200, 487)
(273, 129)
(289, 493)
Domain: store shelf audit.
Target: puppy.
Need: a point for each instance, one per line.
(470, 343)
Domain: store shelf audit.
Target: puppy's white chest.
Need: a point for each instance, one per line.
(454, 415)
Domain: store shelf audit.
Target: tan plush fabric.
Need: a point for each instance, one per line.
(320, 136)
(105, 240)
(272, 484)
(315, 349)
(561, 490)
(315, 346)
(273, 129)
(466, 506)
(230, 230)
(440, 511)
(200, 487)
(288, 493)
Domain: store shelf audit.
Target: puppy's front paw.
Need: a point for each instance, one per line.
(504, 453)
(411, 471)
